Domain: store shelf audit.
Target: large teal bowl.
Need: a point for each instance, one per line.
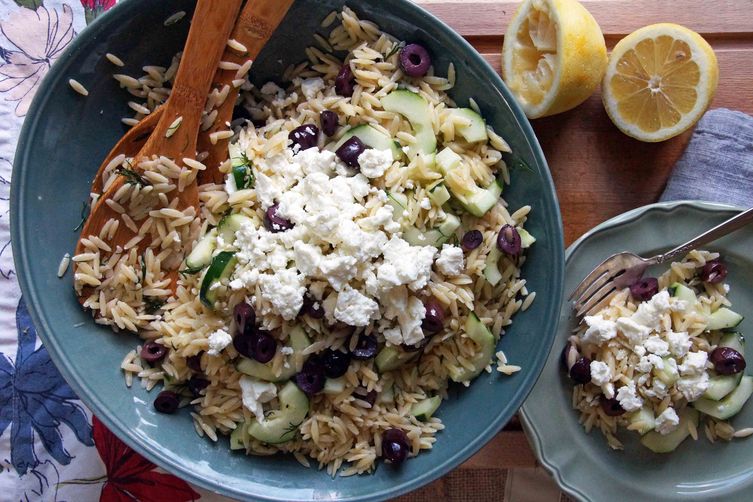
(66, 135)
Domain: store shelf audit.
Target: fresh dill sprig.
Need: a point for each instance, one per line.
(395, 48)
(85, 210)
(131, 176)
(153, 304)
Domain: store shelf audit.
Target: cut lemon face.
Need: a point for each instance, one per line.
(553, 56)
(659, 81)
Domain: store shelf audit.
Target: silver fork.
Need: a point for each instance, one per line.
(623, 269)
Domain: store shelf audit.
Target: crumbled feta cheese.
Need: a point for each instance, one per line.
(311, 86)
(307, 257)
(286, 351)
(405, 264)
(230, 186)
(679, 343)
(628, 398)
(634, 332)
(679, 305)
(655, 345)
(667, 421)
(373, 163)
(267, 191)
(254, 393)
(651, 312)
(425, 203)
(649, 362)
(608, 390)
(218, 341)
(693, 387)
(658, 389)
(694, 363)
(355, 309)
(599, 330)
(600, 373)
(338, 269)
(640, 350)
(451, 261)
(313, 160)
(284, 290)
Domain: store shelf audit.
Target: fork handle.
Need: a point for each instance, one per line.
(722, 229)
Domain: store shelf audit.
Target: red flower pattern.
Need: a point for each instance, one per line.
(132, 478)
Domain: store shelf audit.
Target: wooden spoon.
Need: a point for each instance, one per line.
(181, 114)
(258, 20)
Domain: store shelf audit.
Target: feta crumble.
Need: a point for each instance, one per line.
(667, 421)
(599, 330)
(600, 373)
(628, 397)
(218, 341)
(373, 163)
(451, 261)
(255, 393)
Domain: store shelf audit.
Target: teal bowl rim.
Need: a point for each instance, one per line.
(532, 434)
(158, 456)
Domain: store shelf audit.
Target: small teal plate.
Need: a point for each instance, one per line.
(66, 135)
(583, 464)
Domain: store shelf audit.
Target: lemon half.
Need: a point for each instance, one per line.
(553, 56)
(659, 81)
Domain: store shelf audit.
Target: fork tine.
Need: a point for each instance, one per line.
(603, 303)
(597, 297)
(595, 273)
(597, 283)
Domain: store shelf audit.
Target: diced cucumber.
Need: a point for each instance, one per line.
(370, 136)
(723, 318)
(447, 160)
(388, 394)
(683, 293)
(642, 421)
(439, 194)
(334, 386)
(222, 267)
(243, 177)
(476, 130)
(391, 358)
(665, 443)
(730, 405)
(229, 225)
(482, 199)
(416, 109)
(668, 374)
(733, 340)
(398, 202)
(263, 371)
(434, 237)
(424, 409)
(721, 385)
(491, 266)
(240, 438)
(282, 425)
(480, 334)
(526, 239)
(201, 254)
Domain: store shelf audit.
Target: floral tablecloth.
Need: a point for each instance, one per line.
(51, 447)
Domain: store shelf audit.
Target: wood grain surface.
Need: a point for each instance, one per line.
(598, 171)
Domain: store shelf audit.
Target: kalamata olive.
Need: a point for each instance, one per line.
(714, 272)
(311, 307)
(580, 372)
(264, 347)
(196, 385)
(329, 120)
(508, 240)
(241, 112)
(245, 318)
(153, 352)
(395, 446)
(434, 320)
(350, 151)
(415, 60)
(245, 344)
(275, 223)
(305, 136)
(471, 240)
(335, 362)
(644, 289)
(727, 361)
(366, 348)
(611, 407)
(344, 81)
(311, 377)
(366, 396)
(194, 362)
(569, 356)
(166, 402)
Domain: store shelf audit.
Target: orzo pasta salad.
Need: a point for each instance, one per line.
(357, 260)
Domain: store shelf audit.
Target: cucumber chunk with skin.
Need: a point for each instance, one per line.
(447, 160)
(398, 202)
(387, 395)
(491, 266)
(222, 267)
(480, 334)
(434, 237)
(372, 137)
(417, 111)
(666, 443)
(280, 426)
(723, 318)
(476, 130)
(730, 405)
(721, 385)
(334, 386)
(201, 254)
(439, 194)
(229, 226)
(240, 438)
(391, 358)
(263, 371)
(668, 374)
(642, 421)
(424, 409)
(482, 199)
(526, 239)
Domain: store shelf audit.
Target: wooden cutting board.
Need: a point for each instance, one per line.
(598, 171)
